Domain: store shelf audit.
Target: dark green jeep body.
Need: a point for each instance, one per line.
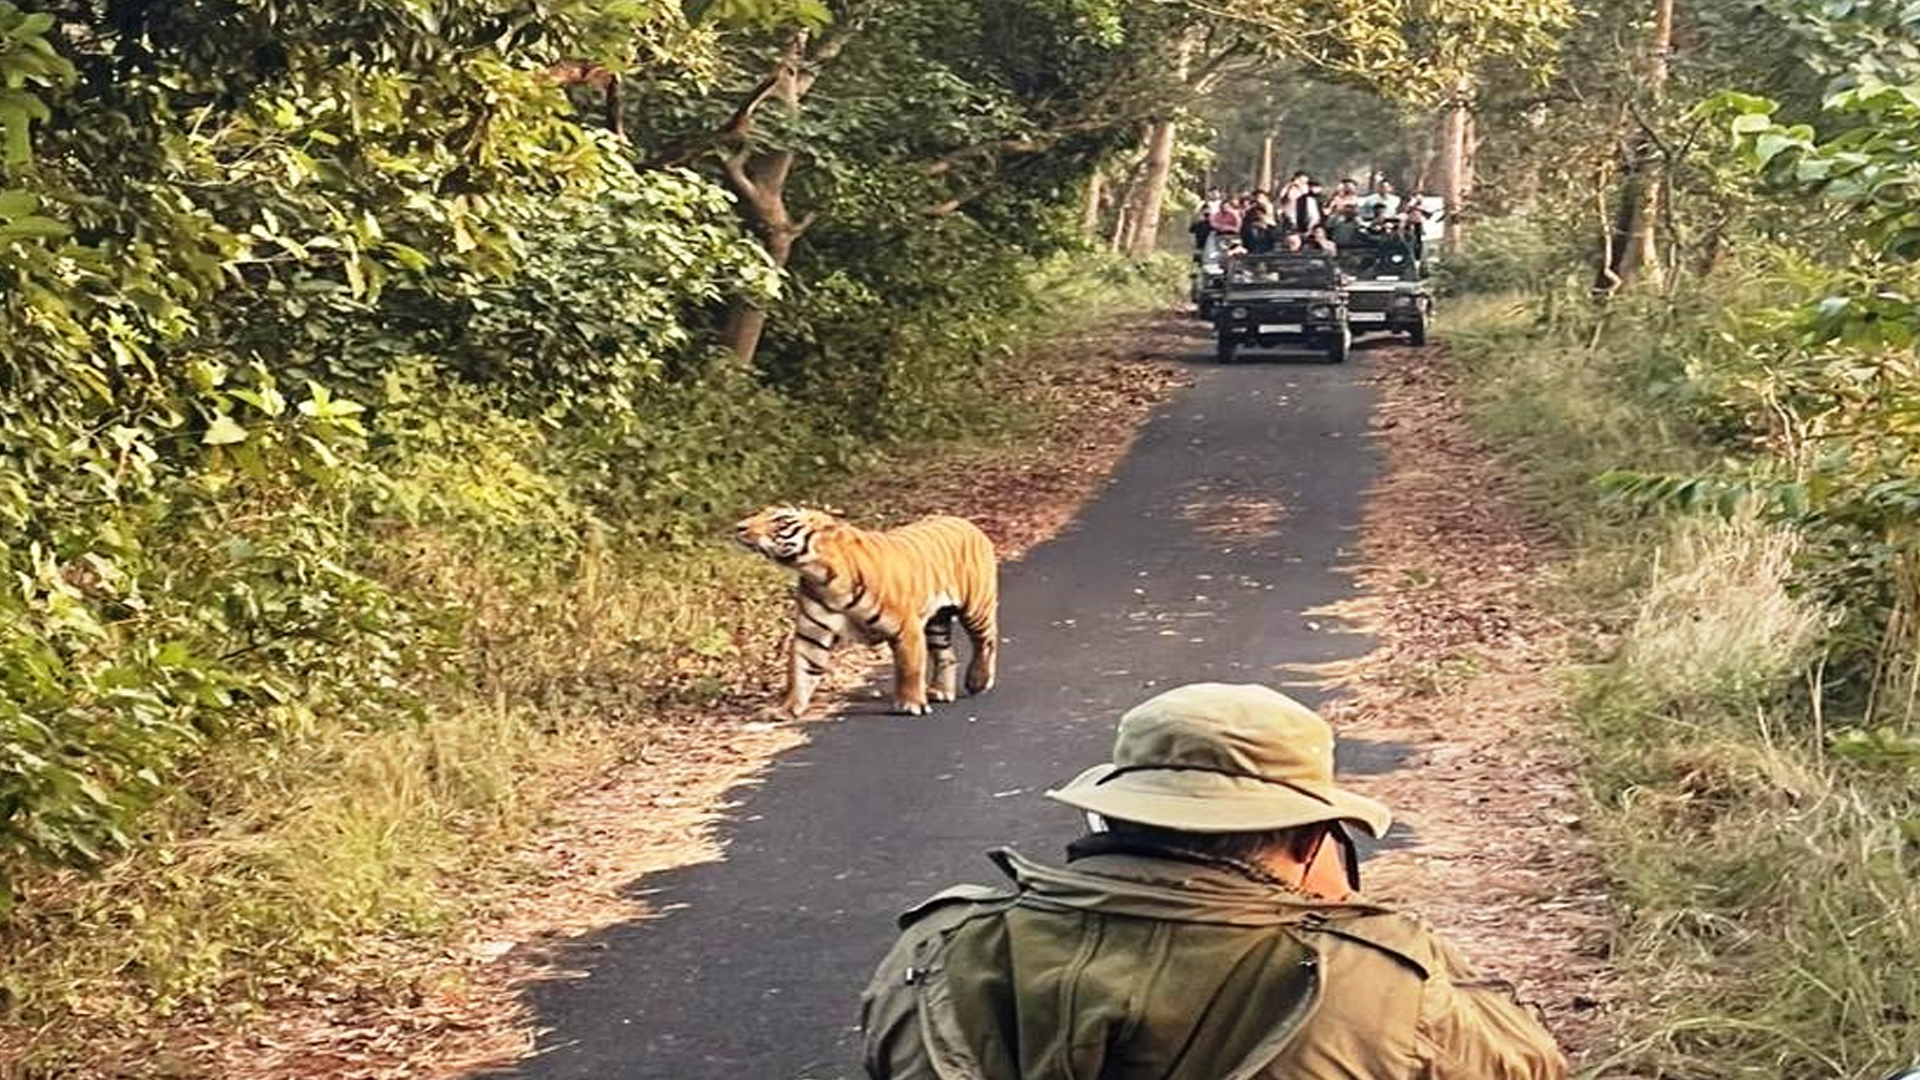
(1285, 298)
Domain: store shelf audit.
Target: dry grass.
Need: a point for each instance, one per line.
(1717, 627)
(1770, 886)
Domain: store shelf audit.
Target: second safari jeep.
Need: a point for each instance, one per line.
(1387, 292)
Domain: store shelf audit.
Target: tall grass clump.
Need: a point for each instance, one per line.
(1717, 629)
(1766, 884)
(1751, 758)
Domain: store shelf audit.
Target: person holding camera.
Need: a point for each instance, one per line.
(1210, 926)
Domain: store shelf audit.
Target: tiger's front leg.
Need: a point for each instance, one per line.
(812, 644)
(910, 670)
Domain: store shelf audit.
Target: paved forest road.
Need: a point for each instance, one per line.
(754, 970)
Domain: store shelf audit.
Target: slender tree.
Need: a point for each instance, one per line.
(1633, 247)
(1455, 158)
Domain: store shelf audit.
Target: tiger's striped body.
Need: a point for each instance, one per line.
(901, 586)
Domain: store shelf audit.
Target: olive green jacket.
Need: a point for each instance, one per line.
(1130, 966)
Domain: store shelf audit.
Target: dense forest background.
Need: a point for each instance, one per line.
(373, 372)
(303, 300)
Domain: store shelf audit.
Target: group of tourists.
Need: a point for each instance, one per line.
(1304, 216)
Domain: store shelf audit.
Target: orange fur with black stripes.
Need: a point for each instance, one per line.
(904, 587)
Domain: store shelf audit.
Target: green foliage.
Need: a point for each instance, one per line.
(1755, 812)
(1510, 254)
(235, 271)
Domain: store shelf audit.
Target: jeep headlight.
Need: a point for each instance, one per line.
(1402, 301)
(1238, 313)
(1321, 311)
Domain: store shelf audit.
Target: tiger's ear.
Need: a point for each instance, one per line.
(832, 511)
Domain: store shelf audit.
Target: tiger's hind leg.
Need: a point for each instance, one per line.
(943, 681)
(983, 628)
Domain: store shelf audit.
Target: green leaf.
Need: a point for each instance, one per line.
(223, 431)
(1773, 144)
(411, 258)
(33, 226)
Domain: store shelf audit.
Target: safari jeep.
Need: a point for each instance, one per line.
(1387, 293)
(1288, 298)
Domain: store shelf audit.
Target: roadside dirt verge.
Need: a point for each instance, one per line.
(1463, 673)
(460, 1011)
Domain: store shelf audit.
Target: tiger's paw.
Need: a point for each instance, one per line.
(938, 693)
(912, 708)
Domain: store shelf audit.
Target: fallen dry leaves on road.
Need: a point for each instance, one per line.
(460, 1011)
(1462, 675)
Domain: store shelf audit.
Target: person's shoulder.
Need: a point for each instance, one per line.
(924, 925)
(957, 903)
(1402, 937)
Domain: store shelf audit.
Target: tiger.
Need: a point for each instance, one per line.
(900, 586)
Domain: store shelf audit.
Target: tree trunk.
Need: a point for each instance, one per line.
(1470, 160)
(746, 321)
(1122, 234)
(1090, 213)
(1456, 169)
(1644, 249)
(1423, 171)
(759, 175)
(1635, 246)
(1161, 135)
(759, 182)
(615, 109)
(1161, 138)
(1265, 182)
(759, 178)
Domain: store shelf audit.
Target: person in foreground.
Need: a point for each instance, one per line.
(1209, 928)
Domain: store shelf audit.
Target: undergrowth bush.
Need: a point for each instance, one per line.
(1511, 253)
(1751, 756)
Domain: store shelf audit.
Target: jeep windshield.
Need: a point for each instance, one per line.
(1283, 272)
(1382, 264)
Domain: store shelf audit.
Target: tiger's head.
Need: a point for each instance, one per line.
(784, 534)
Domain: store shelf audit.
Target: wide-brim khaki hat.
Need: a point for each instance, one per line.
(1217, 757)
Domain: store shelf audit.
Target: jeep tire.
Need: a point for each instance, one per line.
(1224, 349)
(1417, 333)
